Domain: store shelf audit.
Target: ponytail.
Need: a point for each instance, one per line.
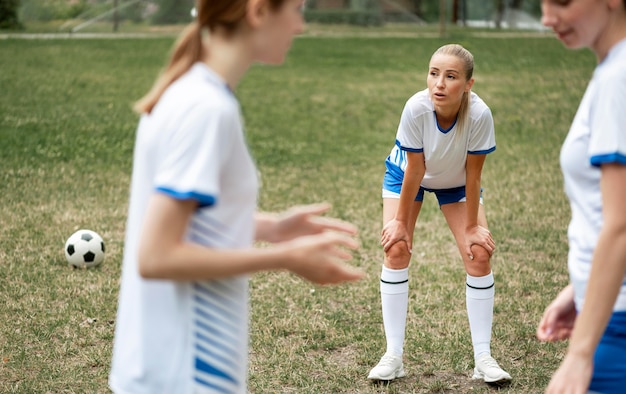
(463, 114)
(226, 15)
(187, 51)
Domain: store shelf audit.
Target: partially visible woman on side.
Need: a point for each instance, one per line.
(591, 310)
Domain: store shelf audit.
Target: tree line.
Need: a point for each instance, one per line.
(15, 13)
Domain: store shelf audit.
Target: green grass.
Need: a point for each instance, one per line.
(319, 127)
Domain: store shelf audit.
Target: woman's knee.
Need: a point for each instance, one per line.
(480, 265)
(398, 256)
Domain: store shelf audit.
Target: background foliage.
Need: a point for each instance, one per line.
(8, 14)
(357, 12)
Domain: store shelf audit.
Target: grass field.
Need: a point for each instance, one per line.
(320, 127)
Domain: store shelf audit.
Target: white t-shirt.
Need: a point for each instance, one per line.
(188, 337)
(597, 136)
(445, 151)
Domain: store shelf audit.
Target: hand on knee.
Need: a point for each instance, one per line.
(480, 265)
(398, 256)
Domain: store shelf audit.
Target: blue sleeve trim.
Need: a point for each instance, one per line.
(412, 150)
(416, 150)
(481, 152)
(204, 200)
(615, 157)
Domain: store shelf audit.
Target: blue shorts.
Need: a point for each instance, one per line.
(392, 185)
(609, 362)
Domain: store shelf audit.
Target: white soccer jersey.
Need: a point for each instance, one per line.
(597, 136)
(188, 337)
(445, 151)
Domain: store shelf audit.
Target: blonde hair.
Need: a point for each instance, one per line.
(468, 66)
(189, 48)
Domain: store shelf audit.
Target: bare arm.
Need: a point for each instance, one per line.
(473, 174)
(474, 233)
(164, 254)
(396, 229)
(607, 275)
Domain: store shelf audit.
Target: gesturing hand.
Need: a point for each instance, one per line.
(319, 258)
(305, 220)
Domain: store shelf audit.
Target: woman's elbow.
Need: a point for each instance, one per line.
(148, 264)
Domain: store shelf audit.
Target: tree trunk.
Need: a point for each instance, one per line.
(442, 18)
(499, 13)
(455, 12)
(116, 16)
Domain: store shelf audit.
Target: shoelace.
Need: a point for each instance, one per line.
(387, 360)
(489, 362)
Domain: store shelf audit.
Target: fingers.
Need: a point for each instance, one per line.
(389, 242)
(543, 328)
(489, 247)
(342, 273)
(392, 234)
(334, 245)
(322, 260)
(313, 211)
(342, 240)
(386, 244)
(544, 332)
(479, 236)
(488, 244)
(332, 224)
(552, 328)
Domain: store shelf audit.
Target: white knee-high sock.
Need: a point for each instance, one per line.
(394, 295)
(479, 295)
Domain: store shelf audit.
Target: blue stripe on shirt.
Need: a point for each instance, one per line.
(608, 158)
(204, 200)
(481, 152)
(203, 366)
(416, 150)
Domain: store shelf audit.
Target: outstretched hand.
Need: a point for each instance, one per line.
(479, 235)
(320, 258)
(306, 220)
(316, 247)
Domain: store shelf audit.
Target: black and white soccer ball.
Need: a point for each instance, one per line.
(84, 248)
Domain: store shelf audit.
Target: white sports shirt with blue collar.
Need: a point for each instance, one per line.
(188, 337)
(445, 151)
(597, 136)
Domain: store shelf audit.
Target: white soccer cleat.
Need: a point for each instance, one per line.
(489, 371)
(388, 368)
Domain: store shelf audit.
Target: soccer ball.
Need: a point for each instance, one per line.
(84, 248)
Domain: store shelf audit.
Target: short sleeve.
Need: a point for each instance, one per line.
(195, 154)
(608, 121)
(410, 136)
(482, 134)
